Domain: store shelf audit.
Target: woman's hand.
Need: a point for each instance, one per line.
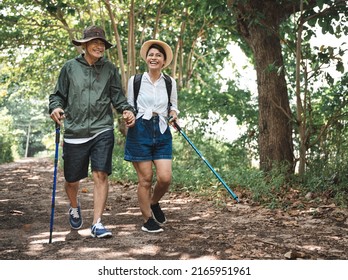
(173, 118)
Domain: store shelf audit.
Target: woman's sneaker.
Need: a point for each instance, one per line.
(151, 226)
(99, 231)
(158, 214)
(75, 218)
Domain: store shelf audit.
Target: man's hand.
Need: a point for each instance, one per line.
(57, 115)
(128, 118)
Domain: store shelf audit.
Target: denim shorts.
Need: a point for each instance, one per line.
(145, 142)
(77, 156)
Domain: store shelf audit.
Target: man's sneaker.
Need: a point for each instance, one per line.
(99, 231)
(151, 226)
(75, 218)
(158, 214)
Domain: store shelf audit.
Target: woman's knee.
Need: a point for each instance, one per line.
(145, 182)
(164, 179)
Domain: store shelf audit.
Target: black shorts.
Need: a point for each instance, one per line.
(77, 156)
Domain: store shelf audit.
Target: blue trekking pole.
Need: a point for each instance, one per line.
(54, 180)
(205, 161)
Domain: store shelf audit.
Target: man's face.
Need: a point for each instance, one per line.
(95, 49)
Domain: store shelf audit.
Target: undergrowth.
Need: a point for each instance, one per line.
(274, 190)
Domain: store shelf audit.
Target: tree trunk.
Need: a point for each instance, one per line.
(131, 69)
(121, 126)
(275, 124)
(118, 45)
(301, 102)
(275, 121)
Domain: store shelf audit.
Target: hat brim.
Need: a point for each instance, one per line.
(82, 41)
(169, 53)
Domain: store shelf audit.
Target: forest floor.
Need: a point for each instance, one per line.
(197, 228)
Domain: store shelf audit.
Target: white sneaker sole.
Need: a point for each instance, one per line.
(151, 231)
(104, 235)
(76, 228)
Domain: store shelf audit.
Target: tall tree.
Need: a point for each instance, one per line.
(258, 22)
(309, 68)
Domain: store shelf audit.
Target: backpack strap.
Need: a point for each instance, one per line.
(136, 88)
(137, 84)
(168, 81)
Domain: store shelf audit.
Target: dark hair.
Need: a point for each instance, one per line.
(158, 47)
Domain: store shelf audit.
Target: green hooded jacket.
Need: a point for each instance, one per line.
(85, 93)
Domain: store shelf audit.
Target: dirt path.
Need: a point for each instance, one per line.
(196, 229)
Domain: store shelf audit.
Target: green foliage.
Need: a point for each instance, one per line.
(328, 180)
(29, 116)
(267, 189)
(328, 156)
(190, 172)
(122, 171)
(36, 41)
(7, 139)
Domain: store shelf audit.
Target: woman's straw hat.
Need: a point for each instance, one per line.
(147, 45)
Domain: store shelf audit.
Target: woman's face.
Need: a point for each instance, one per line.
(155, 59)
(95, 49)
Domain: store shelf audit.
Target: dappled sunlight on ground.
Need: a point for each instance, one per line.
(197, 229)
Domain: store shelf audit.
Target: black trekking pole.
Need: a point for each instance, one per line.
(206, 161)
(54, 180)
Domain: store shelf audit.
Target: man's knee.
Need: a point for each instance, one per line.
(71, 184)
(100, 176)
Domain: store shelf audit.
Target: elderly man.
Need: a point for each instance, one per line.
(86, 88)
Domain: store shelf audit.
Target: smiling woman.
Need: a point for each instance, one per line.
(149, 142)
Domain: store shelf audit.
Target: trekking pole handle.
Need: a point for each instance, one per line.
(58, 128)
(57, 133)
(174, 123)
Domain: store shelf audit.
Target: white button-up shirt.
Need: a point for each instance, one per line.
(153, 98)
